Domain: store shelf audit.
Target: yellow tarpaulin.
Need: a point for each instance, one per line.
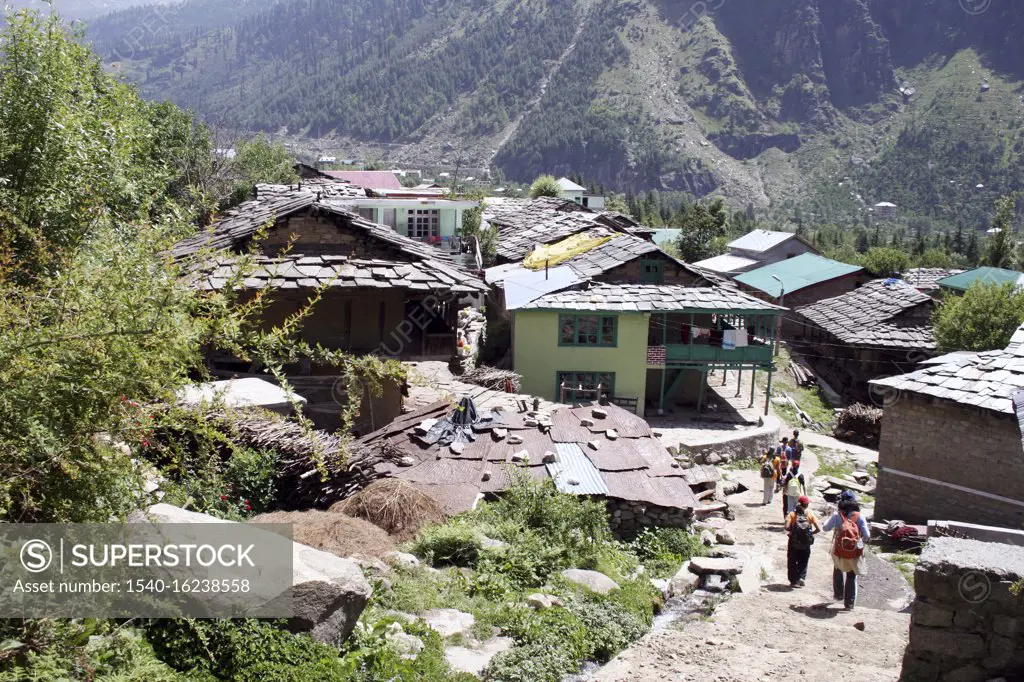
(559, 252)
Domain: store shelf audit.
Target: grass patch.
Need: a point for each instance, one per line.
(745, 464)
(901, 559)
(811, 400)
(834, 465)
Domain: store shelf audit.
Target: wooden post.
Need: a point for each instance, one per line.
(768, 393)
(700, 395)
(739, 382)
(661, 402)
(753, 382)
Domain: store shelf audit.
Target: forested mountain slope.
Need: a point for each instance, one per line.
(770, 102)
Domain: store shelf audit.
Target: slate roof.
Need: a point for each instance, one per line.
(986, 275)
(417, 266)
(870, 316)
(542, 221)
(759, 241)
(727, 263)
(927, 279)
(651, 297)
(306, 272)
(986, 380)
(800, 272)
(634, 466)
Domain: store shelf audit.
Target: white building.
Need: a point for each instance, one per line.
(570, 190)
(885, 210)
(757, 249)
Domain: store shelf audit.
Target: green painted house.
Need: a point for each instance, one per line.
(642, 346)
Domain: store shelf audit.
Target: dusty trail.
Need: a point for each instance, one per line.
(779, 633)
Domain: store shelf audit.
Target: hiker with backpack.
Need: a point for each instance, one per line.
(802, 524)
(769, 474)
(851, 535)
(796, 445)
(793, 486)
(783, 454)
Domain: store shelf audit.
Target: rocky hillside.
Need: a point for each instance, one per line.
(768, 103)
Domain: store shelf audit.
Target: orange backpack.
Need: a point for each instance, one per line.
(848, 537)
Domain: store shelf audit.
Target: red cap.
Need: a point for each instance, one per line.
(804, 500)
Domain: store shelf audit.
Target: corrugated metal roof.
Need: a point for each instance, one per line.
(727, 263)
(796, 273)
(574, 473)
(368, 179)
(760, 240)
(985, 275)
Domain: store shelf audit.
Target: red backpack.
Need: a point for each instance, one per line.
(848, 537)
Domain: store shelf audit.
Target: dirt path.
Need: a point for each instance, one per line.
(779, 633)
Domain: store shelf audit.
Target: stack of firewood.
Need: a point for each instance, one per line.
(859, 424)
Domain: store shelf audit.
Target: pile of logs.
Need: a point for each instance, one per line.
(859, 424)
(802, 373)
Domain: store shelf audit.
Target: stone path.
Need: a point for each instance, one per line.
(779, 633)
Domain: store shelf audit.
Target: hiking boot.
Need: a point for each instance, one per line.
(801, 583)
(848, 607)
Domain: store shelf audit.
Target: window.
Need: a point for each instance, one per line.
(652, 271)
(424, 223)
(587, 330)
(577, 387)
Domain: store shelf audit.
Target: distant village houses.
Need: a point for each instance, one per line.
(757, 249)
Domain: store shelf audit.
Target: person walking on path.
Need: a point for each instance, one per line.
(793, 485)
(802, 525)
(784, 454)
(796, 445)
(769, 474)
(851, 535)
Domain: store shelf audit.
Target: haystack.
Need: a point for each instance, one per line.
(331, 532)
(394, 505)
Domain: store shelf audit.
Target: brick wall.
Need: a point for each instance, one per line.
(966, 624)
(956, 444)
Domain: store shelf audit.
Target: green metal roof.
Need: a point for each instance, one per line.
(987, 275)
(796, 273)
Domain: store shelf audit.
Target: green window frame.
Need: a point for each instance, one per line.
(588, 331)
(652, 271)
(588, 381)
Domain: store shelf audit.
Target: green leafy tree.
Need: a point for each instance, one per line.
(702, 231)
(258, 161)
(885, 262)
(545, 186)
(984, 318)
(999, 253)
(934, 258)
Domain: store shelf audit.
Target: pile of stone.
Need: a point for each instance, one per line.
(859, 482)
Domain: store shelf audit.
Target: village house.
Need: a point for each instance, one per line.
(461, 457)
(385, 293)
(640, 346)
(962, 281)
(879, 329)
(951, 445)
(577, 193)
(884, 210)
(800, 280)
(757, 249)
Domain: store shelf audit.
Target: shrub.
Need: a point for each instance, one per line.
(243, 649)
(555, 627)
(531, 663)
(89, 649)
(663, 550)
(451, 544)
(638, 597)
(611, 627)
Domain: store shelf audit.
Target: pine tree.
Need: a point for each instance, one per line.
(958, 240)
(972, 251)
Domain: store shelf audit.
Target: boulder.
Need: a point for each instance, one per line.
(592, 580)
(703, 565)
(707, 538)
(712, 458)
(449, 622)
(401, 559)
(539, 601)
(473, 660)
(664, 587)
(328, 593)
(684, 581)
(724, 537)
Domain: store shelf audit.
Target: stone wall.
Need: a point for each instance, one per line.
(627, 518)
(746, 444)
(967, 625)
(958, 445)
